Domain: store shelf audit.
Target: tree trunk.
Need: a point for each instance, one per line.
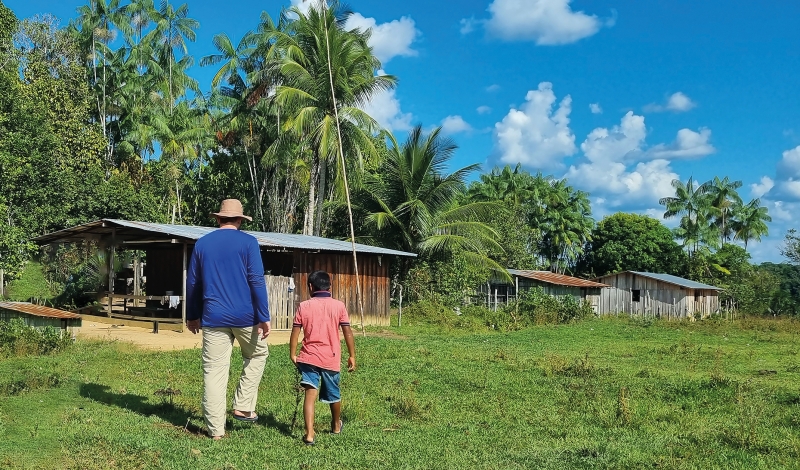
(308, 224)
(323, 179)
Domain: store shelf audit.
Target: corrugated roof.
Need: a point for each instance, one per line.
(37, 310)
(556, 279)
(669, 278)
(193, 232)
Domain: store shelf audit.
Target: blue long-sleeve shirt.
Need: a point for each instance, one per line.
(225, 283)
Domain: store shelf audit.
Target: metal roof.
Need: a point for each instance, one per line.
(669, 278)
(556, 279)
(37, 310)
(149, 231)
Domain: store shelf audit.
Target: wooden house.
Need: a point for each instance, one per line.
(288, 260)
(658, 295)
(498, 291)
(38, 316)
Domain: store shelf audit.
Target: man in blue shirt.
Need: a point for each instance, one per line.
(226, 296)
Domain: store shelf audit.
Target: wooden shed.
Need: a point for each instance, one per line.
(157, 291)
(39, 316)
(502, 291)
(658, 295)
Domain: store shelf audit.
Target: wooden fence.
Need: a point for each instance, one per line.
(281, 302)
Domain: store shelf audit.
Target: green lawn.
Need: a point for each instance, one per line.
(597, 394)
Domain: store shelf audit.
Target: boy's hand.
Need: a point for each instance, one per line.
(351, 364)
(293, 357)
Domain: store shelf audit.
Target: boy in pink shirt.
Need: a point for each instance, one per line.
(319, 361)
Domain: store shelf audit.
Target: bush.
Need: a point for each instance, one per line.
(535, 307)
(19, 339)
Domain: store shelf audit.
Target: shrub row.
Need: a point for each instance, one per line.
(19, 339)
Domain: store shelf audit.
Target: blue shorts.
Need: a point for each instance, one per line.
(324, 380)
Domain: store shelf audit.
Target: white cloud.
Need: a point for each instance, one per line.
(388, 40)
(595, 108)
(455, 124)
(789, 166)
(621, 143)
(759, 189)
(493, 88)
(787, 177)
(678, 102)
(483, 110)
(468, 25)
(384, 107)
(616, 167)
(688, 144)
(536, 135)
(305, 5)
(547, 22)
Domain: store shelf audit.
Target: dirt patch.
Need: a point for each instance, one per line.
(164, 340)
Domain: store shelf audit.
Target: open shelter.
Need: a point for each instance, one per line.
(288, 260)
(500, 291)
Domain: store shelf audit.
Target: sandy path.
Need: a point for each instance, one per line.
(164, 340)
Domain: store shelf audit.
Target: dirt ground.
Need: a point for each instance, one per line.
(164, 340)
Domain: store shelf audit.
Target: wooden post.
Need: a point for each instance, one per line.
(495, 299)
(400, 310)
(2, 283)
(111, 249)
(183, 304)
(137, 286)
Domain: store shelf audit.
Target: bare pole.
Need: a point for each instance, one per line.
(346, 185)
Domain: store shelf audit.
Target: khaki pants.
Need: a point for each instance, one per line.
(217, 347)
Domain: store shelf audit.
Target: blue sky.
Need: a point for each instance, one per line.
(619, 96)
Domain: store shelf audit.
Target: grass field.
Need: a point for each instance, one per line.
(596, 394)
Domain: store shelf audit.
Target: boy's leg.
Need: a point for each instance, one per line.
(336, 417)
(254, 353)
(308, 411)
(217, 345)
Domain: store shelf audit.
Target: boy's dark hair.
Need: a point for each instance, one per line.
(319, 280)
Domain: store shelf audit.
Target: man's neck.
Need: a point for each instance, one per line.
(229, 227)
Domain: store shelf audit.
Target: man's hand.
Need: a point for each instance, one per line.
(263, 329)
(351, 364)
(193, 325)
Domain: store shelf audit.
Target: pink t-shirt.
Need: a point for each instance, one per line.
(320, 318)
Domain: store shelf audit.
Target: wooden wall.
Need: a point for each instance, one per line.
(373, 272)
(656, 298)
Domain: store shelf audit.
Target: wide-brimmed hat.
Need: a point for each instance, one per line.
(231, 208)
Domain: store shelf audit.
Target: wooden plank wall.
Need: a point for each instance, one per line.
(656, 298)
(373, 273)
(281, 302)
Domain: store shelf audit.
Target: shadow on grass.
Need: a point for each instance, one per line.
(271, 421)
(176, 415)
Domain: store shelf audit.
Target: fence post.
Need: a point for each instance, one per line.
(2, 283)
(400, 310)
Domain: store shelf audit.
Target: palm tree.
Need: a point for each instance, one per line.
(326, 74)
(173, 28)
(749, 222)
(565, 222)
(723, 198)
(691, 203)
(412, 204)
(234, 59)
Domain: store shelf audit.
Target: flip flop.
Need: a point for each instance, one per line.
(341, 427)
(246, 419)
(307, 442)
